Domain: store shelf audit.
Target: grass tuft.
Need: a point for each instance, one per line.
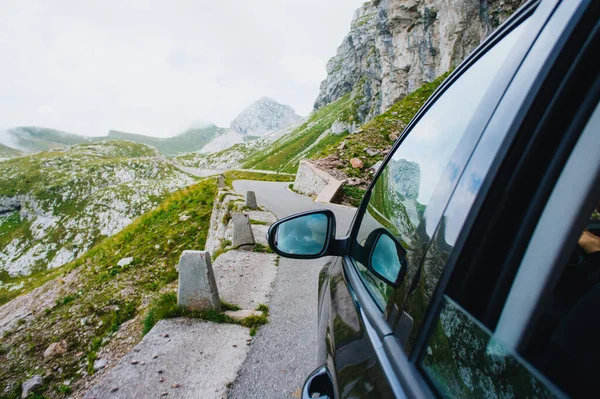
(258, 247)
(254, 221)
(165, 307)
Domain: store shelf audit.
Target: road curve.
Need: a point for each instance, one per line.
(283, 352)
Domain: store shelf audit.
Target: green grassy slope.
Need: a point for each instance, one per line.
(378, 134)
(7, 152)
(285, 153)
(190, 140)
(69, 199)
(93, 288)
(314, 140)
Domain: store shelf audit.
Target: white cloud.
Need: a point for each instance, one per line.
(157, 67)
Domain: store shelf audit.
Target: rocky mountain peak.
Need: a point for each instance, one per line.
(263, 116)
(395, 46)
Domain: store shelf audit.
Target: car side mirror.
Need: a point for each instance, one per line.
(306, 235)
(385, 257)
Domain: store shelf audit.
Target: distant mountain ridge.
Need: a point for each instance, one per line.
(190, 140)
(263, 116)
(35, 138)
(259, 118)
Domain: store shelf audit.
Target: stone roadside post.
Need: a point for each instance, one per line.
(221, 181)
(243, 237)
(197, 286)
(251, 200)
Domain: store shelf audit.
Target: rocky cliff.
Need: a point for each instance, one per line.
(395, 46)
(263, 119)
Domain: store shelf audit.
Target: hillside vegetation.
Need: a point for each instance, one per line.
(190, 140)
(284, 153)
(55, 205)
(377, 135)
(92, 306)
(7, 152)
(93, 296)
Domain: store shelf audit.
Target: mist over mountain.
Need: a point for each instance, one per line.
(263, 116)
(192, 139)
(35, 138)
(8, 152)
(259, 119)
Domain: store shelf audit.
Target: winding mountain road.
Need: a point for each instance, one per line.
(284, 351)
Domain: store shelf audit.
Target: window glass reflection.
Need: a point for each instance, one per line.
(305, 235)
(411, 192)
(463, 360)
(385, 260)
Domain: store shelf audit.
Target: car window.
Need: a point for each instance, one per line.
(463, 359)
(409, 195)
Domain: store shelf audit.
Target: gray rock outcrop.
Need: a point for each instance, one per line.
(30, 385)
(263, 116)
(394, 46)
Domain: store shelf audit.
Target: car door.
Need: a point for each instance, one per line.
(359, 310)
(496, 326)
(516, 314)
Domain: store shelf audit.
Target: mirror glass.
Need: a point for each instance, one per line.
(304, 235)
(385, 258)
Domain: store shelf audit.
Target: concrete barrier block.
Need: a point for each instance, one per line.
(197, 286)
(330, 192)
(243, 237)
(315, 182)
(251, 200)
(221, 181)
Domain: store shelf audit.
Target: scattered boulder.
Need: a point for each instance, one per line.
(243, 237)
(394, 135)
(184, 218)
(30, 385)
(251, 200)
(357, 163)
(371, 152)
(55, 349)
(100, 364)
(341, 146)
(125, 262)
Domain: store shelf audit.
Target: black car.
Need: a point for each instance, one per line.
(471, 268)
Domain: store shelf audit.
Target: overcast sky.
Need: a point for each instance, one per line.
(157, 67)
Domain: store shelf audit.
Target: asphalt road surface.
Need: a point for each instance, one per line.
(283, 352)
